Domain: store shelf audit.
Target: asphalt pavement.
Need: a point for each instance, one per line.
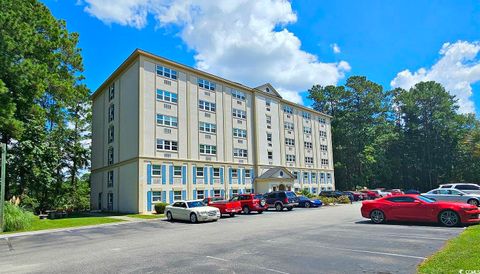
(332, 239)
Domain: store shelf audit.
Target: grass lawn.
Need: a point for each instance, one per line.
(460, 253)
(143, 216)
(72, 221)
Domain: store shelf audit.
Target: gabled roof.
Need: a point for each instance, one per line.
(277, 173)
(268, 88)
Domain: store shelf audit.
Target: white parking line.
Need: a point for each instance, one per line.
(216, 258)
(374, 252)
(259, 267)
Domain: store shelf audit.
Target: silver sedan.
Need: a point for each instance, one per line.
(453, 195)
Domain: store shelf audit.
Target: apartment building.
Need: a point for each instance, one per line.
(163, 131)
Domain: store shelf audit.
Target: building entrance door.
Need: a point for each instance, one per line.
(281, 187)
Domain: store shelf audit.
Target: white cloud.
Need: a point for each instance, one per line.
(241, 40)
(335, 48)
(457, 69)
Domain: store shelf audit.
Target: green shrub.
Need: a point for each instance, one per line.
(307, 193)
(343, 199)
(16, 218)
(327, 200)
(160, 208)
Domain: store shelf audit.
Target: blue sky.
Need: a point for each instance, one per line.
(378, 39)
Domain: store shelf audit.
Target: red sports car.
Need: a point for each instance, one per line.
(421, 209)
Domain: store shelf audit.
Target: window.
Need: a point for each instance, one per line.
(238, 95)
(110, 155)
(177, 171)
(206, 84)
(110, 178)
(237, 113)
(164, 120)
(323, 133)
(322, 120)
(216, 172)
(110, 201)
(111, 113)
(329, 178)
(309, 160)
(216, 193)
(207, 127)
(111, 132)
(290, 158)
(234, 191)
(323, 147)
(167, 145)
(289, 142)
(166, 72)
(248, 173)
(306, 115)
(308, 144)
(305, 176)
(295, 174)
(177, 195)
(269, 137)
(314, 177)
(166, 96)
(307, 130)
(270, 155)
(204, 105)
(156, 196)
(289, 126)
(241, 133)
(288, 109)
(199, 171)
(234, 173)
(467, 187)
(401, 199)
(111, 92)
(238, 152)
(156, 170)
(324, 162)
(268, 119)
(268, 102)
(208, 149)
(200, 194)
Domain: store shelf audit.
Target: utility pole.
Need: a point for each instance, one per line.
(3, 151)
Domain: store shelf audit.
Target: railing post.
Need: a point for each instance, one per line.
(3, 151)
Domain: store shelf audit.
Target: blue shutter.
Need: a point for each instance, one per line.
(184, 175)
(164, 196)
(230, 193)
(194, 174)
(164, 174)
(211, 175)
(194, 194)
(252, 174)
(222, 192)
(149, 201)
(240, 191)
(171, 196)
(184, 194)
(170, 175)
(205, 193)
(205, 175)
(212, 193)
(310, 177)
(243, 176)
(149, 174)
(230, 175)
(221, 176)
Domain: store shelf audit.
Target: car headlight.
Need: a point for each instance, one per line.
(203, 213)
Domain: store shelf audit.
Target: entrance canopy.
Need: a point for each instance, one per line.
(277, 178)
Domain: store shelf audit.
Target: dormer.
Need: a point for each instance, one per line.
(268, 88)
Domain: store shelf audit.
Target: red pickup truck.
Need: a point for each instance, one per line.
(226, 207)
(251, 202)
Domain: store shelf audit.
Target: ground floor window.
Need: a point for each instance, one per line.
(234, 191)
(201, 194)
(177, 195)
(200, 172)
(216, 193)
(297, 189)
(177, 171)
(100, 201)
(314, 190)
(306, 189)
(248, 190)
(156, 196)
(110, 201)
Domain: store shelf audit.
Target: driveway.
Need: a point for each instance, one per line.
(324, 240)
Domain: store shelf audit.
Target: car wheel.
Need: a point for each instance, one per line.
(169, 216)
(232, 214)
(278, 207)
(290, 208)
(307, 205)
(260, 212)
(377, 216)
(449, 218)
(193, 218)
(473, 202)
(246, 210)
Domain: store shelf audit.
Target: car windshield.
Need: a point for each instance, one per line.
(426, 199)
(291, 194)
(258, 196)
(195, 204)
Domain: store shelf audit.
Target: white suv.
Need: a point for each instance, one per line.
(467, 188)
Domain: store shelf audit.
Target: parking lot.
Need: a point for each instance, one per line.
(324, 240)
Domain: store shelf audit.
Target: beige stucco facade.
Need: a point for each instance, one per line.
(163, 131)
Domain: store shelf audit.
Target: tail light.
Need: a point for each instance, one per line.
(285, 200)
